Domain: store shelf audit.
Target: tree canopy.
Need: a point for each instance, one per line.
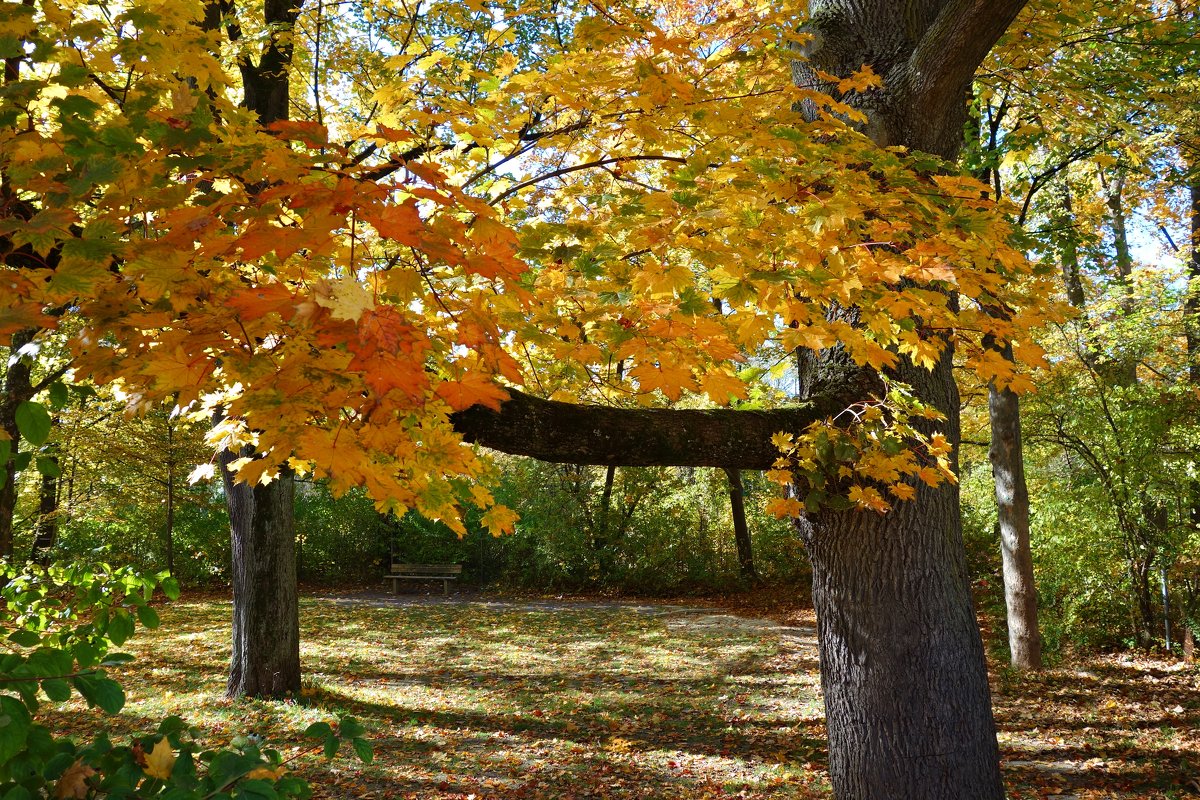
(468, 199)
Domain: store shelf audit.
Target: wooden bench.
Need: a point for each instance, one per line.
(423, 572)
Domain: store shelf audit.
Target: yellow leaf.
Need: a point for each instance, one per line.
(160, 760)
(722, 386)
(499, 520)
(868, 497)
(345, 298)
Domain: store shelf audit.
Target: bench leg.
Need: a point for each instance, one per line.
(445, 587)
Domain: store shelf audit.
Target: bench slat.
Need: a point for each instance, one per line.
(428, 569)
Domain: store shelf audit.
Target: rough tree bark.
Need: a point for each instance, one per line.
(266, 630)
(906, 695)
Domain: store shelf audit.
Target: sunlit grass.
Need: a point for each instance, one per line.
(507, 702)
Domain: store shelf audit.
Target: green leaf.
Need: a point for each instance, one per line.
(25, 638)
(147, 616)
(48, 466)
(317, 730)
(332, 743)
(364, 750)
(58, 395)
(102, 692)
(120, 626)
(256, 789)
(14, 727)
(33, 421)
(57, 689)
(350, 728)
(17, 792)
(113, 659)
(170, 588)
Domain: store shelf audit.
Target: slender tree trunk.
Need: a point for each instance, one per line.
(741, 531)
(602, 533)
(266, 624)
(18, 387)
(1123, 370)
(1012, 511)
(1144, 620)
(1072, 279)
(169, 532)
(169, 529)
(1192, 302)
(46, 530)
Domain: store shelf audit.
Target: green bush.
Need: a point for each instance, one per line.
(64, 623)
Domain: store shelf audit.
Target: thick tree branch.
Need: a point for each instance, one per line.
(577, 434)
(943, 63)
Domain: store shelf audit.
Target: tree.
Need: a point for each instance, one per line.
(891, 638)
(349, 291)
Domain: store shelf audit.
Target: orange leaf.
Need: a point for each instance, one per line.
(257, 301)
(473, 388)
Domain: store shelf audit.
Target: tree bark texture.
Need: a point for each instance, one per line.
(741, 531)
(1012, 519)
(266, 622)
(266, 631)
(907, 702)
(550, 430)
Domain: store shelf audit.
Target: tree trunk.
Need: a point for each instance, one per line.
(1012, 512)
(1072, 279)
(741, 531)
(266, 637)
(169, 528)
(266, 623)
(46, 531)
(907, 702)
(1144, 620)
(18, 387)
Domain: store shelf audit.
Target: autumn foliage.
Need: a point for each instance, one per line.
(623, 206)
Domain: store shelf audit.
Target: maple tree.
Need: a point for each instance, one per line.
(478, 194)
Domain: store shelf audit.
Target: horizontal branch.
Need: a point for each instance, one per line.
(549, 430)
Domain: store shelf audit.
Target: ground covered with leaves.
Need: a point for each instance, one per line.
(528, 699)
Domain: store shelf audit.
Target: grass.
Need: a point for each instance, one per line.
(601, 701)
(463, 700)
